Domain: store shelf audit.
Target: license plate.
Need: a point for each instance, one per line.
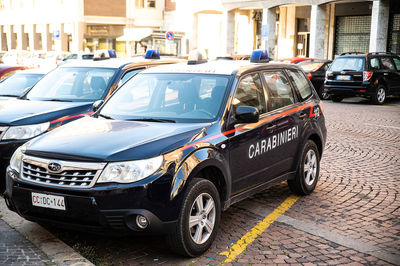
(343, 77)
(48, 201)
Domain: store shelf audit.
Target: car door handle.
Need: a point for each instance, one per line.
(385, 74)
(302, 115)
(273, 127)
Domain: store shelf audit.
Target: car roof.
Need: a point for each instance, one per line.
(119, 62)
(218, 67)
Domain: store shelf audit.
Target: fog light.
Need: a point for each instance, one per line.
(142, 222)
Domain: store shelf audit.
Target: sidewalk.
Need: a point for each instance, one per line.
(15, 249)
(27, 243)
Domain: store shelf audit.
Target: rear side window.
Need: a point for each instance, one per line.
(250, 92)
(397, 62)
(300, 83)
(387, 63)
(374, 63)
(348, 64)
(279, 91)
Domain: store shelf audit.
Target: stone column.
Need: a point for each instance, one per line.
(317, 31)
(228, 39)
(60, 42)
(3, 39)
(77, 36)
(269, 29)
(21, 37)
(379, 26)
(46, 37)
(11, 38)
(33, 37)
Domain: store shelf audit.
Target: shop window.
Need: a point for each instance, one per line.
(151, 3)
(145, 3)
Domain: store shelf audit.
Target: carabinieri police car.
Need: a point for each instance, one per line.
(65, 94)
(171, 149)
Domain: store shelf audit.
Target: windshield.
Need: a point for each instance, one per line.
(72, 84)
(348, 64)
(17, 83)
(310, 66)
(172, 97)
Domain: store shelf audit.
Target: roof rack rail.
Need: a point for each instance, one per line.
(377, 53)
(351, 53)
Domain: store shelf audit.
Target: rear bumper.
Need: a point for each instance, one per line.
(365, 90)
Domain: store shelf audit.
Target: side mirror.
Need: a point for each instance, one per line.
(246, 114)
(97, 104)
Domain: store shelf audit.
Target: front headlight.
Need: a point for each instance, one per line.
(26, 132)
(16, 159)
(130, 171)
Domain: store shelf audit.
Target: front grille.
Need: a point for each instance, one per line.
(2, 131)
(71, 174)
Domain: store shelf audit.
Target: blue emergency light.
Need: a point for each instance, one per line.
(152, 54)
(259, 56)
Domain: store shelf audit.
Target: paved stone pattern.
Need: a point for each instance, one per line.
(357, 196)
(16, 250)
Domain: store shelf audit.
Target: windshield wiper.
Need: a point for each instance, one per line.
(8, 95)
(349, 70)
(106, 116)
(57, 100)
(153, 120)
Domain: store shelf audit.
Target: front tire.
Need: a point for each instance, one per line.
(380, 95)
(198, 220)
(308, 170)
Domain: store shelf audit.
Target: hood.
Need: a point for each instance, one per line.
(95, 139)
(24, 112)
(6, 98)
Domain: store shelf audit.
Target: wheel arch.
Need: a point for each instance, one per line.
(205, 163)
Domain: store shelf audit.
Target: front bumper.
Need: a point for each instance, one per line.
(100, 208)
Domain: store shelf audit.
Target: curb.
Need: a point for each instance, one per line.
(59, 252)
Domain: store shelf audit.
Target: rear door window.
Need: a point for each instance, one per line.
(280, 93)
(397, 63)
(301, 83)
(387, 63)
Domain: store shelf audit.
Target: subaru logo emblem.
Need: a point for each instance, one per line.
(54, 167)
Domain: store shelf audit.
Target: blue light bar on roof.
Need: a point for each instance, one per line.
(259, 56)
(152, 54)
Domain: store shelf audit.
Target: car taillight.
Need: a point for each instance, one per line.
(367, 75)
(309, 75)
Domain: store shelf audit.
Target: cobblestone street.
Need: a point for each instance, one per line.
(353, 216)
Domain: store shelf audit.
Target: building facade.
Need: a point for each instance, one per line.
(286, 28)
(128, 26)
(315, 28)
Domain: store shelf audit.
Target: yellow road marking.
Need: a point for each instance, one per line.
(257, 230)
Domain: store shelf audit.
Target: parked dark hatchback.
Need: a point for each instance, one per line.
(315, 71)
(374, 76)
(171, 149)
(65, 94)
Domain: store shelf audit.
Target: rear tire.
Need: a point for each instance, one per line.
(322, 93)
(380, 95)
(336, 99)
(308, 170)
(198, 220)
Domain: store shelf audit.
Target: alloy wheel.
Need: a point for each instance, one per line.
(381, 95)
(202, 218)
(310, 167)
